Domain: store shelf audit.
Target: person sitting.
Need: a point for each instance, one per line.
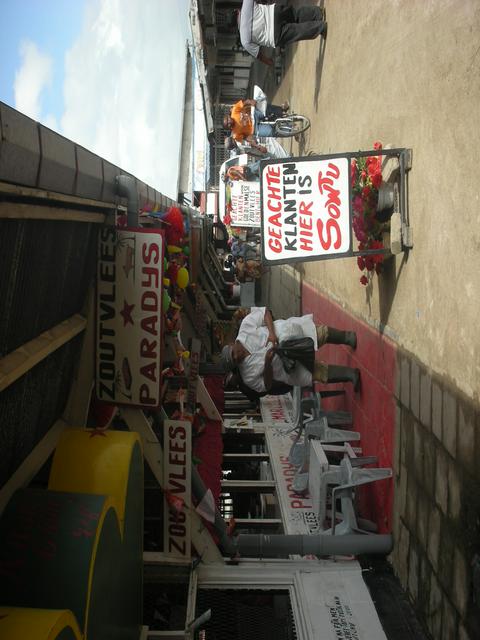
(235, 148)
(254, 352)
(243, 126)
(248, 172)
(248, 270)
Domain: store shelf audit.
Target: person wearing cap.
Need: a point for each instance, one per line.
(253, 352)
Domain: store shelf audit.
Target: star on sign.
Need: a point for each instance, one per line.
(126, 313)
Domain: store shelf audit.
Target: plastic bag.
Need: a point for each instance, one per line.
(295, 350)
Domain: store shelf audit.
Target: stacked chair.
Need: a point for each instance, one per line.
(319, 434)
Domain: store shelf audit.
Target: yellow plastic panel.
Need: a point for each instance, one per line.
(37, 624)
(96, 462)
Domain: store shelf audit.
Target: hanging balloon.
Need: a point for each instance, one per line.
(171, 248)
(166, 300)
(182, 278)
(186, 250)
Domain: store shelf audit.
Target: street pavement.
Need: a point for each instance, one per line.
(406, 73)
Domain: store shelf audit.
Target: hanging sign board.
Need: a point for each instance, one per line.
(244, 198)
(306, 209)
(129, 316)
(239, 199)
(177, 487)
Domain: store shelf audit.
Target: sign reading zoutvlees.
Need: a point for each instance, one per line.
(245, 203)
(177, 487)
(306, 209)
(129, 313)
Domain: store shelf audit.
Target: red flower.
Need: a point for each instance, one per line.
(369, 263)
(227, 219)
(373, 165)
(377, 145)
(364, 280)
(361, 263)
(366, 192)
(358, 204)
(376, 179)
(353, 171)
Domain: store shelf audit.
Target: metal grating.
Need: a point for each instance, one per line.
(46, 269)
(31, 405)
(240, 614)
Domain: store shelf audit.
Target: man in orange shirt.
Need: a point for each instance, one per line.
(243, 126)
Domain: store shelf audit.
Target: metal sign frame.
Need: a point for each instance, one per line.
(404, 157)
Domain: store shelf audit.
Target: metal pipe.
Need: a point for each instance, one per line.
(227, 543)
(281, 546)
(127, 188)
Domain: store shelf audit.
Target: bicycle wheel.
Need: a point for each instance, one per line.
(291, 126)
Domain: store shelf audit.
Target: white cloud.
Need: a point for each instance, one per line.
(34, 75)
(50, 121)
(124, 86)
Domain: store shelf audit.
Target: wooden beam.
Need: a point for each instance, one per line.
(158, 557)
(78, 403)
(153, 453)
(19, 191)
(166, 635)
(17, 363)
(258, 522)
(248, 457)
(259, 486)
(32, 463)
(21, 211)
(206, 401)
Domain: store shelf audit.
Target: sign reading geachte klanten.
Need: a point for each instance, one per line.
(129, 313)
(306, 211)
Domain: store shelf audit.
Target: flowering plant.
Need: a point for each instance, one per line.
(366, 178)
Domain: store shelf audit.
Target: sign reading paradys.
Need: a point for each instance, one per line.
(306, 209)
(129, 316)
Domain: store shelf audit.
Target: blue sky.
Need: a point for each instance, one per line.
(109, 74)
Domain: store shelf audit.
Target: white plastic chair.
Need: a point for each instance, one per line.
(347, 476)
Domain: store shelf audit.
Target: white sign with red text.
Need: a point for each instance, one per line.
(177, 487)
(298, 514)
(129, 316)
(276, 409)
(305, 209)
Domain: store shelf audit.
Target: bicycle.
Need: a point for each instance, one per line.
(286, 126)
(290, 125)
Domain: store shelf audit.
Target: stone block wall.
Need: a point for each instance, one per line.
(437, 500)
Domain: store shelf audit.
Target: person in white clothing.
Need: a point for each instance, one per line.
(276, 25)
(254, 351)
